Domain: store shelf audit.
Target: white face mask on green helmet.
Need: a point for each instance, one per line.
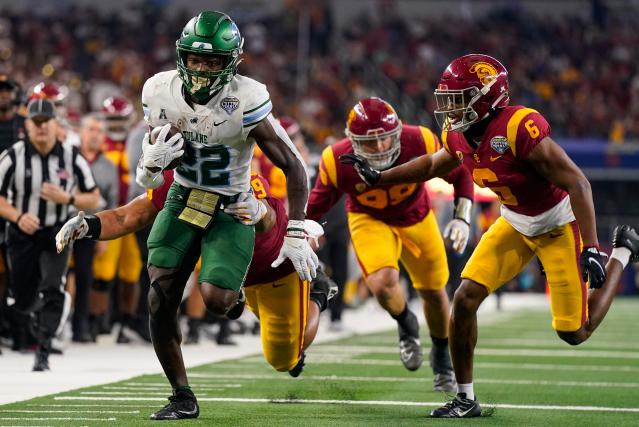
(209, 33)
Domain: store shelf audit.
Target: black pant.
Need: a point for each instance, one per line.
(38, 276)
(83, 254)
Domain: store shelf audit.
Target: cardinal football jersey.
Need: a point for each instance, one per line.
(530, 203)
(396, 204)
(218, 148)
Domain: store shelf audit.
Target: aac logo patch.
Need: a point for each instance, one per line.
(499, 144)
(230, 104)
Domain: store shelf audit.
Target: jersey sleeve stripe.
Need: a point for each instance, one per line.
(258, 107)
(257, 115)
(328, 162)
(429, 140)
(513, 127)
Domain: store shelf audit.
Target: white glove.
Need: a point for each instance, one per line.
(159, 155)
(313, 230)
(147, 179)
(247, 209)
(74, 229)
(298, 250)
(457, 230)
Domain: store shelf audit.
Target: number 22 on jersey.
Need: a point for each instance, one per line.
(206, 165)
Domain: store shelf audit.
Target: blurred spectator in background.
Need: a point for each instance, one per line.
(92, 137)
(585, 76)
(122, 259)
(11, 130)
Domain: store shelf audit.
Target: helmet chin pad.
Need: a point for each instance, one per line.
(380, 160)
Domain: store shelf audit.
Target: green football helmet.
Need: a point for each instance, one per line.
(209, 33)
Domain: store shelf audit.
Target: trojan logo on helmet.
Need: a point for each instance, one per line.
(471, 87)
(371, 121)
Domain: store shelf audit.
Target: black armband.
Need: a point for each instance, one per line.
(95, 227)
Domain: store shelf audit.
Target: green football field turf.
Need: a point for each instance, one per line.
(522, 371)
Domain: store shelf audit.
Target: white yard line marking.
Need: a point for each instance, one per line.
(58, 419)
(215, 387)
(329, 350)
(48, 411)
(428, 380)
(126, 393)
(370, 402)
(87, 405)
(314, 359)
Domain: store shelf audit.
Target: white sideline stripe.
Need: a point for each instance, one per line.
(369, 402)
(428, 380)
(58, 419)
(48, 411)
(485, 352)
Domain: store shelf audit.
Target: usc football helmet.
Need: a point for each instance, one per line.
(369, 121)
(118, 114)
(469, 89)
(209, 33)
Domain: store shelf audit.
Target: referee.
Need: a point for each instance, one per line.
(39, 180)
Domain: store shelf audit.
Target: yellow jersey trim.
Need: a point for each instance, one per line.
(513, 126)
(328, 160)
(429, 140)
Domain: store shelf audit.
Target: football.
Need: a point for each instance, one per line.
(154, 135)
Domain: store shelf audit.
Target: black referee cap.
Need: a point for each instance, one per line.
(40, 108)
(7, 82)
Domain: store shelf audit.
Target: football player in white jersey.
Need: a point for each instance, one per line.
(221, 116)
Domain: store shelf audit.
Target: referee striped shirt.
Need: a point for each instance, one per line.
(23, 170)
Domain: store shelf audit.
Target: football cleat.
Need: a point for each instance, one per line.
(445, 382)
(459, 407)
(625, 236)
(182, 405)
(410, 349)
(238, 309)
(297, 369)
(444, 376)
(323, 289)
(410, 353)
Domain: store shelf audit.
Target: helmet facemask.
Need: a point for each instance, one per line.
(455, 110)
(202, 84)
(379, 160)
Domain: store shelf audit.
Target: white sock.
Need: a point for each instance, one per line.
(466, 389)
(622, 255)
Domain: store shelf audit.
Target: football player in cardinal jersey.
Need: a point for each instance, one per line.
(547, 211)
(276, 295)
(221, 116)
(394, 222)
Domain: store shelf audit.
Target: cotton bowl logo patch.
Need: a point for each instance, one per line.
(230, 104)
(499, 144)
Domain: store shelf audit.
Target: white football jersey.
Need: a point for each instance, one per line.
(218, 150)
